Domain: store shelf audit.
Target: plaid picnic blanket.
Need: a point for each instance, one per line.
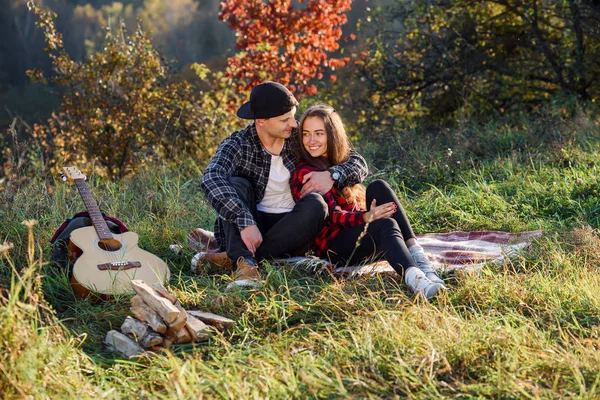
(453, 251)
(448, 252)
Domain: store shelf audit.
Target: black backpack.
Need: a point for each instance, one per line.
(60, 239)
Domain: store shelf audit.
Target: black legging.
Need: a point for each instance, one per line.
(385, 237)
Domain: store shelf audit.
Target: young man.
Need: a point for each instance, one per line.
(247, 183)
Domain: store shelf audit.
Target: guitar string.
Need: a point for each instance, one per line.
(97, 219)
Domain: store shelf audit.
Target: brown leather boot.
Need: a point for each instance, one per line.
(246, 275)
(219, 260)
(216, 260)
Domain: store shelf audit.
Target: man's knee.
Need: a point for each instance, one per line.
(314, 205)
(243, 187)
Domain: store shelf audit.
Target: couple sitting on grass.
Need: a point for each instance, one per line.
(280, 187)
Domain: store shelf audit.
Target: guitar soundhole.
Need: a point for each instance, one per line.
(109, 245)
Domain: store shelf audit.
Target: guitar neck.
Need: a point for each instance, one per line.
(92, 208)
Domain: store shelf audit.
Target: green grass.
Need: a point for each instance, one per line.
(527, 329)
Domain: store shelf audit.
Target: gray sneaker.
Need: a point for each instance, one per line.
(420, 284)
(424, 264)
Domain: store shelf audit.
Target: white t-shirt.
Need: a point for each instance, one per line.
(278, 195)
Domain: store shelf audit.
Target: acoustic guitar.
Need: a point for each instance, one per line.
(104, 263)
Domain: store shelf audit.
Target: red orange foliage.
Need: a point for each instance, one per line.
(284, 44)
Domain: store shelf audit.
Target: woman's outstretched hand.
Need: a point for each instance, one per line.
(377, 212)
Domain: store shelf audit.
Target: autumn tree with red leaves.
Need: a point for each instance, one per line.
(280, 43)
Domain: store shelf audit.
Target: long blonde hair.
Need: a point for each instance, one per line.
(338, 149)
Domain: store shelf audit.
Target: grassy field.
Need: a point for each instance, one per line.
(527, 329)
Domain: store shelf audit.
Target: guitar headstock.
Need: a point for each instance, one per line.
(71, 174)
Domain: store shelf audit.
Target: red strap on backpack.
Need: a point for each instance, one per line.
(64, 225)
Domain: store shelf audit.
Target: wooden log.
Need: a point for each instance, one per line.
(135, 327)
(180, 322)
(198, 329)
(143, 312)
(152, 341)
(183, 336)
(146, 336)
(167, 311)
(164, 292)
(178, 337)
(219, 322)
(116, 341)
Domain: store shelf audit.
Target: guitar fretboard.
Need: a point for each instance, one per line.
(92, 207)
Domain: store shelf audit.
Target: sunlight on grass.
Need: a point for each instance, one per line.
(38, 359)
(527, 329)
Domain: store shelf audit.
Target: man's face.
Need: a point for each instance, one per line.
(279, 127)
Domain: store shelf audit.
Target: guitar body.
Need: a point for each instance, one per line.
(106, 267)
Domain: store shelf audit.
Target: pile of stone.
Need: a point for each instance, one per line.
(159, 321)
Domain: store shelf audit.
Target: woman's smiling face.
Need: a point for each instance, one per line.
(314, 137)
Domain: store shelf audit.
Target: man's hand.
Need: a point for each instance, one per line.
(251, 237)
(316, 182)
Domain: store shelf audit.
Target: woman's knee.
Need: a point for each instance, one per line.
(386, 226)
(381, 191)
(378, 186)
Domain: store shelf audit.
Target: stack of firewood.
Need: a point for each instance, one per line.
(160, 321)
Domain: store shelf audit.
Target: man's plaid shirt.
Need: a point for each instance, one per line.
(243, 155)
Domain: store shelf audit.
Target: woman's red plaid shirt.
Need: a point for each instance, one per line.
(342, 215)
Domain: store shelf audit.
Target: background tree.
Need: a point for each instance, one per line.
(281, 43)
(433, 57)
(187, 30)
(20, 42)
(83, 24)
(123, 108)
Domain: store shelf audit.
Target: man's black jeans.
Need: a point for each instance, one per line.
(284, 234)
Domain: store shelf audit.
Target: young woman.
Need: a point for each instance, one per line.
(324, 144)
